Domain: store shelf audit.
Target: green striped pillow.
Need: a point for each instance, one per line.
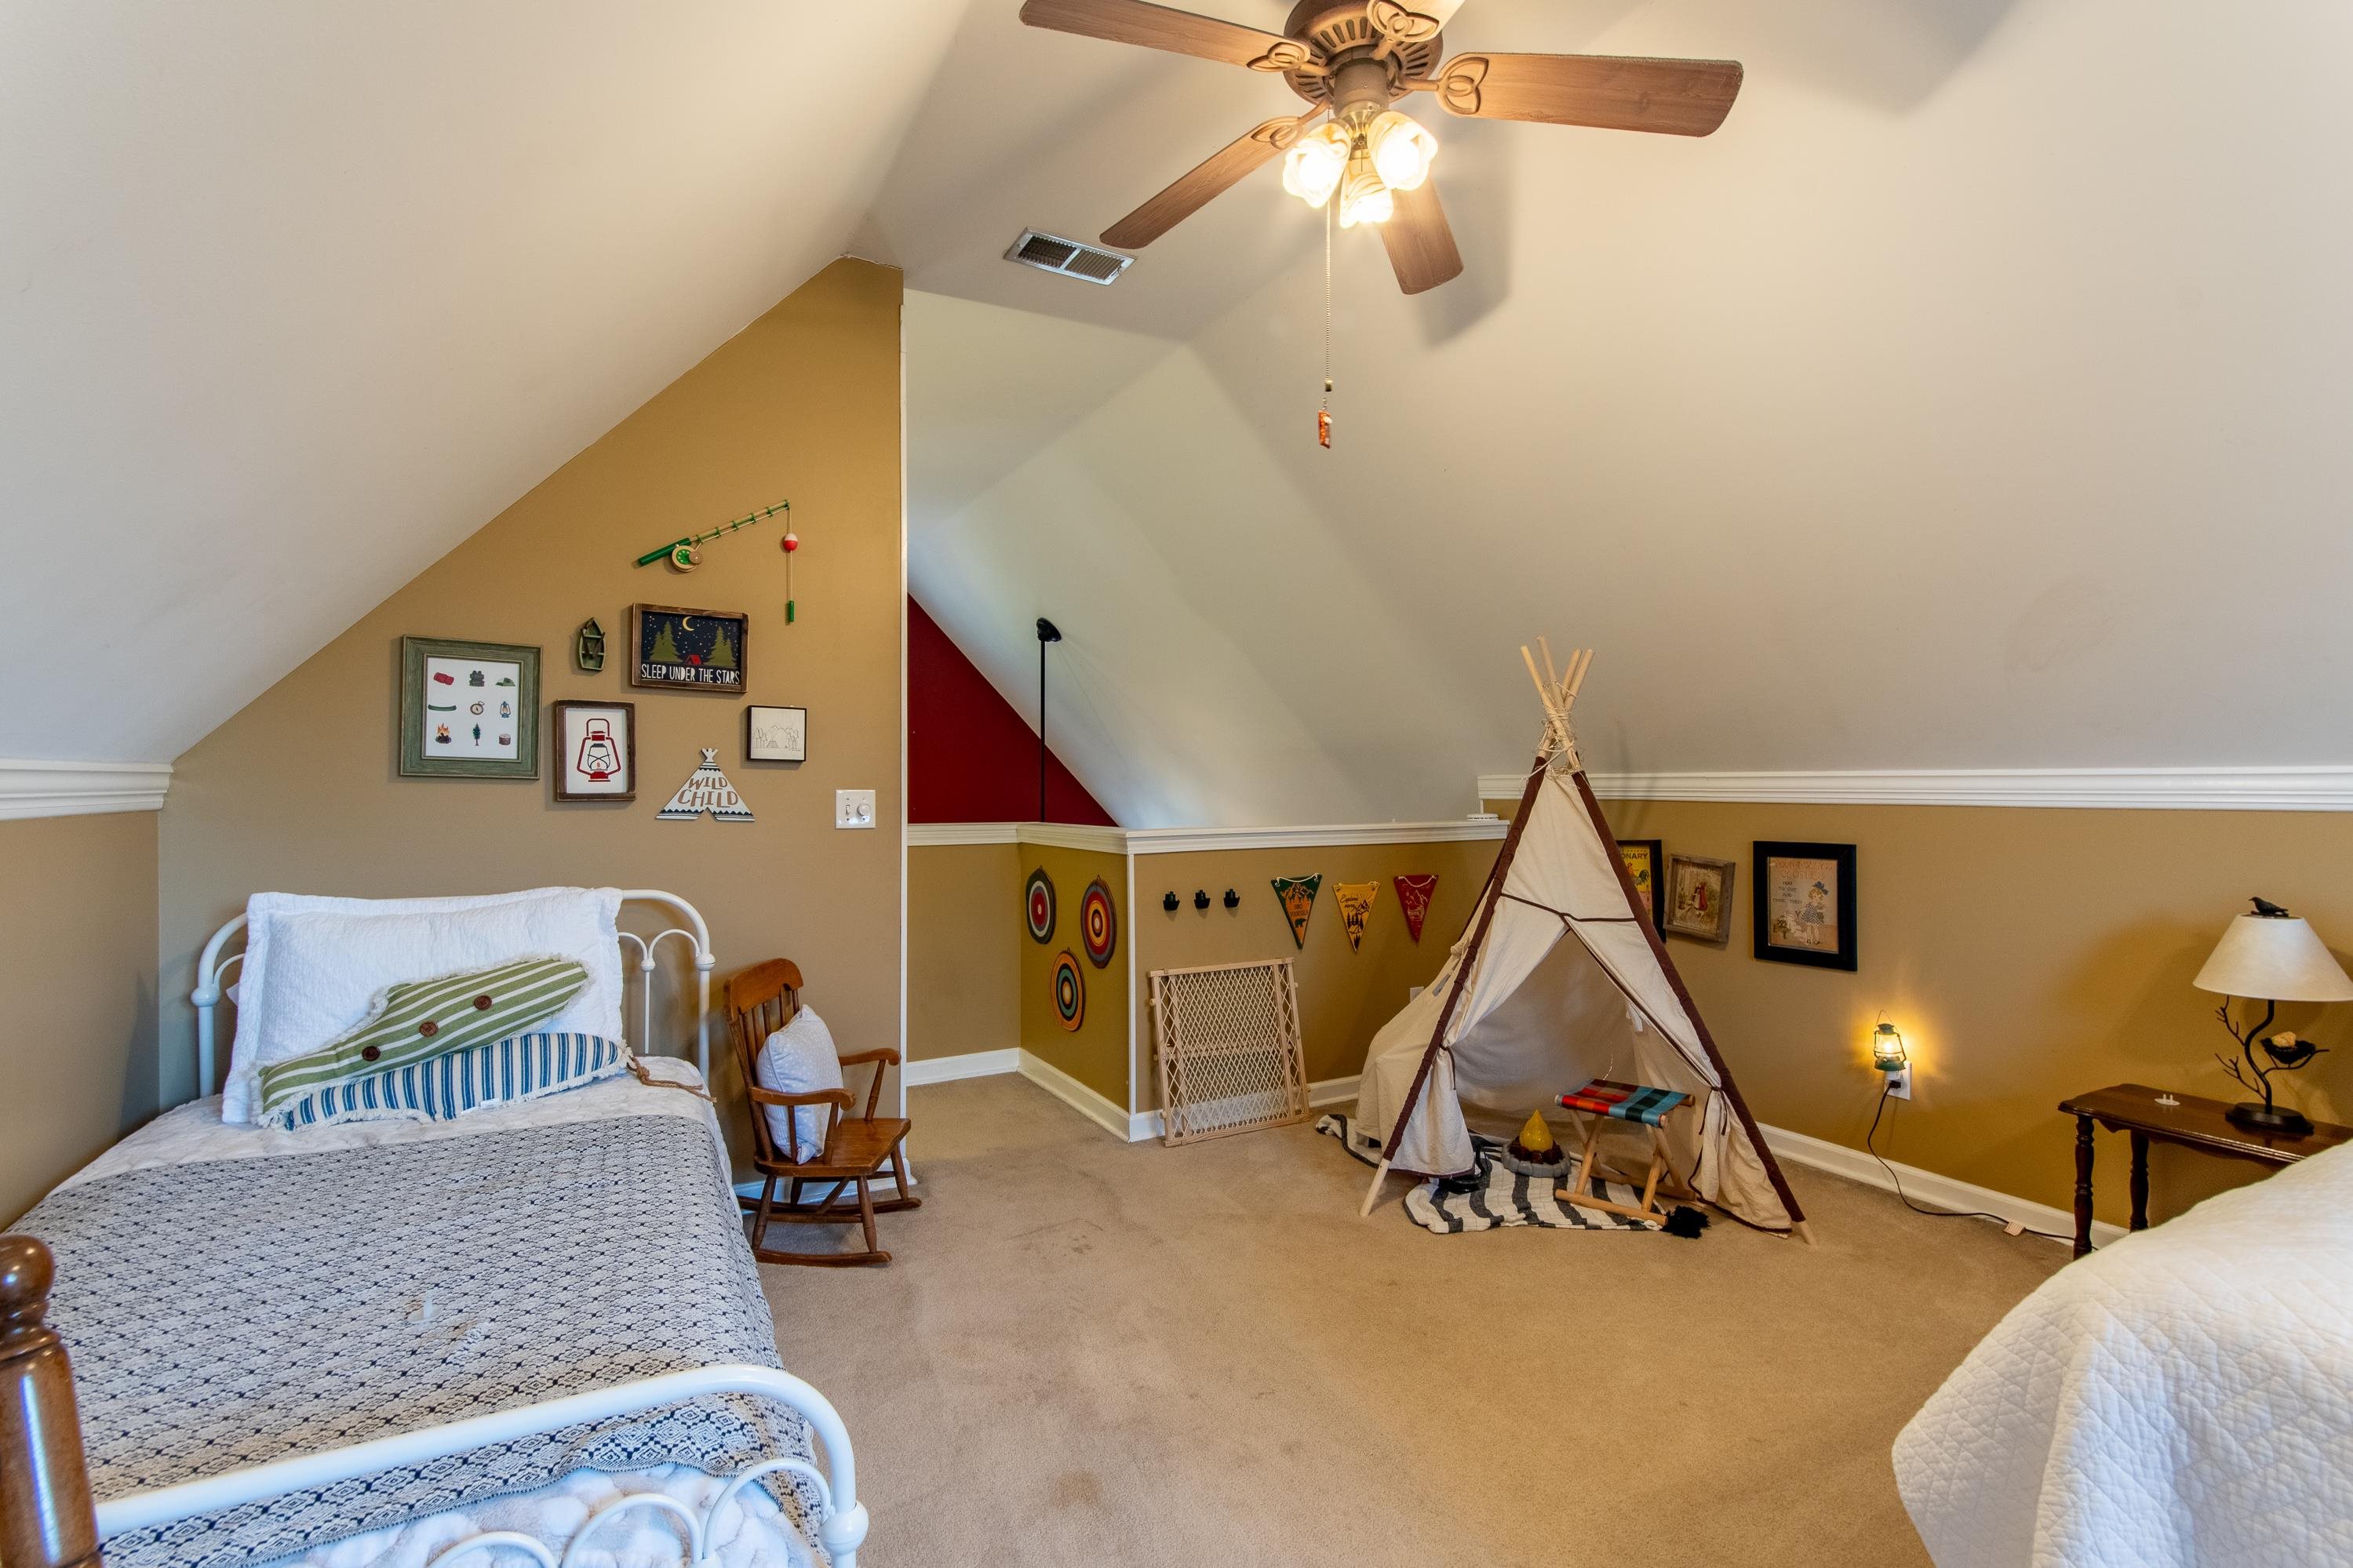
(422, 1019)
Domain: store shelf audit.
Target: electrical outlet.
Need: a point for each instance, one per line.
(853, 808)
(1899, 1082)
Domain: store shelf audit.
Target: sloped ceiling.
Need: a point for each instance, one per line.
(295, 297)
(1974, 397)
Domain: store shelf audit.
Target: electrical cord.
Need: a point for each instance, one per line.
(1870, 1142)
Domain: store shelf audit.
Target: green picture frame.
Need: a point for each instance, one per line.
(468, 710)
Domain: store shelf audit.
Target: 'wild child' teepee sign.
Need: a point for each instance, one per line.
(706, 789)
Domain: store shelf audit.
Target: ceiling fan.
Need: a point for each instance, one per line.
(1353, 62)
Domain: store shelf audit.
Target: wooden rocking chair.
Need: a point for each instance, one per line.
(857, 1150)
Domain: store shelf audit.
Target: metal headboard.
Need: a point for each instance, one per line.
(213, 970)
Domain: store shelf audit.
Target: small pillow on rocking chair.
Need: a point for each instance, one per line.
(799, 1059)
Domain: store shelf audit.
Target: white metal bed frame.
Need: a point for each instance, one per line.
(841, 1519)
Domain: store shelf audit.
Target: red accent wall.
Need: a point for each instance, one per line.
(970, 757)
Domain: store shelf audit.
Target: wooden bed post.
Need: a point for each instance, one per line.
(45, 1517)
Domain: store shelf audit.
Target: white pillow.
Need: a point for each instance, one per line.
(313, 964)
(799, 1060)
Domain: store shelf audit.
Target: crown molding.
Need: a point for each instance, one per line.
(80, 789)
(1192, 840)
(2110, 789)
(921, 833)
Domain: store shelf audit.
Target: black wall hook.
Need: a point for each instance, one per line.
(1200, 897)
(1234, 900)
(1168, 900)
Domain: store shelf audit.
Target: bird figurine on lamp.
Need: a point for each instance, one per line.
(2276, 956)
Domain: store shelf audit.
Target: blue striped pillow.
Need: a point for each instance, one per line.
(520, 1066)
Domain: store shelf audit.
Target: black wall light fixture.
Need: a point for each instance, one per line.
(1047, 632)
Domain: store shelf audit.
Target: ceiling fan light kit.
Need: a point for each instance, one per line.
(1354, 60)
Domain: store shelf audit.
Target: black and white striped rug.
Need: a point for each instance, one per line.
(1505, 1197)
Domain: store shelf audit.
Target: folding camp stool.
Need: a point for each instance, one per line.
(1602, 1102)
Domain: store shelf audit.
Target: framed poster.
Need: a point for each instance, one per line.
(595, 750)
(468, 710)
(1646, 867)
(775, 734)
(1805, 903)
(676, 650)
(1699, 898)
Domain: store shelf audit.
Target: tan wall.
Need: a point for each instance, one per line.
(1344, 996)
(299, 791)
(965, 939)
(1096, 1052)
(2027, 955)
(78, 966)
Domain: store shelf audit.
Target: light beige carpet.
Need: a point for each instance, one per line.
(1088, 1352)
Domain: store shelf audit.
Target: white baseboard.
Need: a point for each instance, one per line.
(1927, 1186)
(1112, 1119)
(971, 1064)
(1146, 1124)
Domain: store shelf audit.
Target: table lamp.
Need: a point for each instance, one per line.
(2271, 955)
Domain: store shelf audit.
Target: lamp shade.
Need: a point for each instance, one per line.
(2277, 958)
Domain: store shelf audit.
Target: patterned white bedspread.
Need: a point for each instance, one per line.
(2182, 1398)
(191, 1149)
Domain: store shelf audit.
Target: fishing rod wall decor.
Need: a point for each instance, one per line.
(686, 554)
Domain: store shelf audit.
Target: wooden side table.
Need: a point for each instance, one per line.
(2189, 1121)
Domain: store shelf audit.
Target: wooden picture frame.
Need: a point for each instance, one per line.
(468, 710)
(1804, 903)
(1699, 898)
(673, 648)
(586, 739)
(1645, 860)
(775, 734)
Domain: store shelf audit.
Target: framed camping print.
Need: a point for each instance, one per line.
(1699, 898)
(676, 649)
(468, 710)
(595, 750)
(1645, 860)
(1805, 903)
(775, 734)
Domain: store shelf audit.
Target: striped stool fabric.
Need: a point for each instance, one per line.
(1624, 1101)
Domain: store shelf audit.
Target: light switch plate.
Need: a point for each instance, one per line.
(853, 808)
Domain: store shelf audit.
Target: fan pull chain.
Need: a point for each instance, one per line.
(1324, 413)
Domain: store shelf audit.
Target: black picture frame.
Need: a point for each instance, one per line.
(1774, 896)
(708, 650)
(1656, 849)
(786, 753)
(467, 679)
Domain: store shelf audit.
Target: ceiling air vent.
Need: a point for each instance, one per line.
(1052, 253)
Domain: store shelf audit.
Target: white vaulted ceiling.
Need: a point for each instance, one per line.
(1974, 398)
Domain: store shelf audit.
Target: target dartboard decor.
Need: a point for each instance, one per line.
(1098, 925)
(1038, 899)
(1069, 991)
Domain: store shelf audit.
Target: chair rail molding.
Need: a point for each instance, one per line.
(2296, 788)
(38, 788)
(1187, 840)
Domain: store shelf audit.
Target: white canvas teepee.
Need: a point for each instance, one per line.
(1558, 979)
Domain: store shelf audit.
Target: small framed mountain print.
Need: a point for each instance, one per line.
(468, 710)
(676, 650)
(1804, 896)
(775, 734)
(595, 750)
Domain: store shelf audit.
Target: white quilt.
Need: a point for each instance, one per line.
(2182, 1398)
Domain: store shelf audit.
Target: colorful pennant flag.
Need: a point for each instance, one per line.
(1297, 896)
(1356, 901)
(1413, 898)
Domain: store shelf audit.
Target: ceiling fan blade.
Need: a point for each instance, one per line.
(1214, 174)
(1617, 92)
(1158, 27)
(1421, 244)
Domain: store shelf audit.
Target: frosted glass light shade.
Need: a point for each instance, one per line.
(2277, 958)
(1311, 169)
(1401, 150)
